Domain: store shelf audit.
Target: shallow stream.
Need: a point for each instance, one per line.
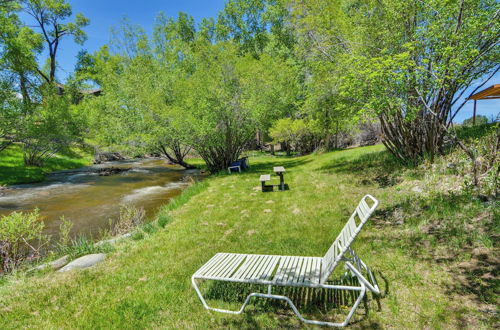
(89, 200)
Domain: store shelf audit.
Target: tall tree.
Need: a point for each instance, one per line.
(51, 19)
(407, 61)
(42, 122)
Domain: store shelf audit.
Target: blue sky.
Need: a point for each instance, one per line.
(104, 14)
(488, 108)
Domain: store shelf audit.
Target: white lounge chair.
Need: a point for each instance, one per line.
(310, 272)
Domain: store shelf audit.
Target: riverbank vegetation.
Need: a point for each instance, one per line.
(14, 171)
(431, 244)
(215, 88)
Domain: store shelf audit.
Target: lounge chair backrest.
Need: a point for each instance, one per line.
(347, 236)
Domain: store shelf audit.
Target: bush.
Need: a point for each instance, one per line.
(130, 217)
(163, 220)
(17, 230)
(149, 228)
(297, 134)
(138, 235)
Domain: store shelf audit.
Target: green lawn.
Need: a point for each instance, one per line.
(427, 271)
(13, 170)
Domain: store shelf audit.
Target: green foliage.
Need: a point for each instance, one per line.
(17, 230)
(51, 129)
(149, 228)
(130, 218)
(248, 23)
(137, 235)
(64, 231)
(81, 246)
(301, 135)
(32, 112)
(480, 120)
(406, 62)
(163, 220)
(14, 171)
(221, 124)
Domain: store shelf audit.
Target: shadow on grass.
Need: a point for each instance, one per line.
(380, 167)
(313, 303)
(267, 167)
(468, 133)
(453, 229)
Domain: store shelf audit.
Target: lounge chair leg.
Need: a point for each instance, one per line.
(372, 287)
(288, 300)
(195, 286)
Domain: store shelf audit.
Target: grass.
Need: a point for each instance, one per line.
(432, 252)
(13, 170)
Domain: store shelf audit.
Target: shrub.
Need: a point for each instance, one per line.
(149, 228)
(163, 220)
(138, 235)
(64, 231)
(17, 230)
(130, 217)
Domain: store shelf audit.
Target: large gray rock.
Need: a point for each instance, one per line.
(54, 265)
(84, 262)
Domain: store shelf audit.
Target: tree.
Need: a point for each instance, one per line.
(49, 17)
(300, 135)
(9, 114)
(138, 110)
(212, 99)
(32, 112)
(255, 25)
(52, 128)
(480, 120)
(407, 61)
(272, 91)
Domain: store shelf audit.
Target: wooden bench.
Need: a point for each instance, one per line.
(263, 179)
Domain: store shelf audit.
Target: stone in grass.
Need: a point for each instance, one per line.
(84, 262)
(54, 265)
(417, 189)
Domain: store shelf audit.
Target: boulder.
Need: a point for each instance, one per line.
(84, 262)
(54, 265)
(107, 157)
(107, 171)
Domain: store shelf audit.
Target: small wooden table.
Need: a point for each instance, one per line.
(279, 170)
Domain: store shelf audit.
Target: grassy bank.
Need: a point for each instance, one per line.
(432, 249)
(13, 170)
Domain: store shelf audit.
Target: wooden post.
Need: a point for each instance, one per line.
(474, 114)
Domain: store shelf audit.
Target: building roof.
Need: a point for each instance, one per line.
(492, 92)
(82, 91)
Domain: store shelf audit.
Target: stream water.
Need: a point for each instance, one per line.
(89, 200)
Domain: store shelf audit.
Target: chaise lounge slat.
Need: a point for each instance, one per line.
(296, 271)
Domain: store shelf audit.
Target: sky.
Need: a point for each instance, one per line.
(104, 14)
(488, 108)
